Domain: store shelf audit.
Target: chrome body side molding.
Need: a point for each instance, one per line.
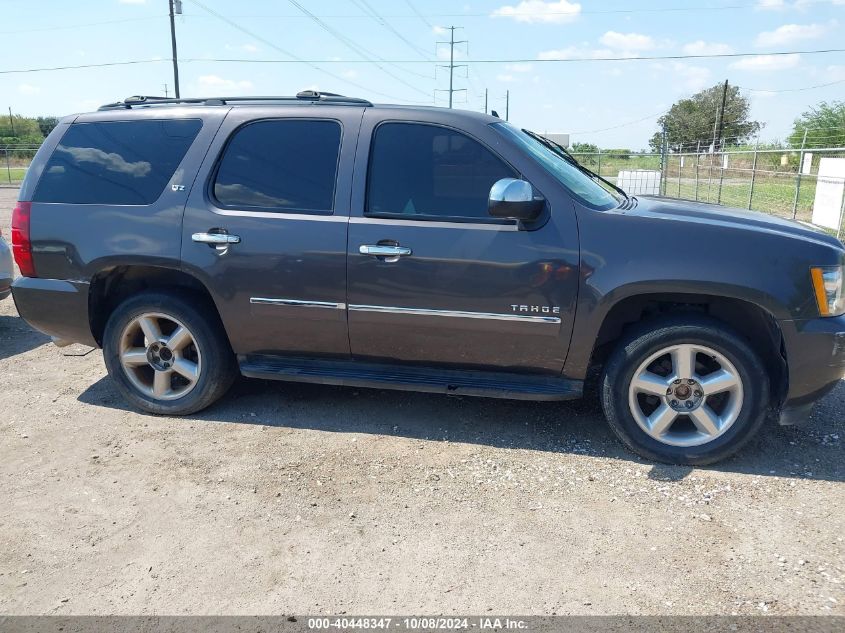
(297, 303)
(455, 313)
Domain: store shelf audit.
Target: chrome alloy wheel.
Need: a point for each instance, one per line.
(160, 356)
(685, 395)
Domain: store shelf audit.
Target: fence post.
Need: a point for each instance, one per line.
(697, 161)
(664, 150)
(753, 171)
(798, 178)
(8, 166)
(599, 167)
(680, 168)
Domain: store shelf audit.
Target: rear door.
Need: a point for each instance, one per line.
(455, 287)
(265, 227)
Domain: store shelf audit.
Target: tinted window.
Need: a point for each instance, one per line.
(282, 165)
(426, 170)
(116, 162)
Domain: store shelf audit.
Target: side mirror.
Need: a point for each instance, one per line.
(514, 199)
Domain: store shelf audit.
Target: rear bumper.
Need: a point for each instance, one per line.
(5, 287)
(57, 308)
(815, 354)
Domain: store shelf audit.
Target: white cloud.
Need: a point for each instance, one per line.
(627, 41)
(771, 5)
(700, 47)
(439, 30)
(518, 68)
(132, 1)
(692, 78)
(791, 33)
(765, 63)
(505, 78)
(350, 74)
(28, 89)
(222, 86)
(538, 11)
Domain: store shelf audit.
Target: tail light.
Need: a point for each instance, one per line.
(21, 244)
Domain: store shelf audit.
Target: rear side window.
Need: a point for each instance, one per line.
(280, 165)
(116, 162)
(426, 170)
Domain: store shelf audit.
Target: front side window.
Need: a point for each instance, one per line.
(116, 162)
(280, 165)
(419, 170)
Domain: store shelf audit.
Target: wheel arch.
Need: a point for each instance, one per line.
(754, 323)
(110, 286)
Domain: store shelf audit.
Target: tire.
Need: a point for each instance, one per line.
(151, 376)
(700, 416)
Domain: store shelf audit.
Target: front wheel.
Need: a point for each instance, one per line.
(686, 391)
(167, 356)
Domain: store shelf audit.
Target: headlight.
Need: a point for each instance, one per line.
(827, 283)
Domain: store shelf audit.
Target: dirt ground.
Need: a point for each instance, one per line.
(290, 498)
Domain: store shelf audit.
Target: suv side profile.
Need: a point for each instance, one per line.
(321, 238)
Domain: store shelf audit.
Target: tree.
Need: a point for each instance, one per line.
(824, 124)
(47, 123)
(584, 148)
(692, 121)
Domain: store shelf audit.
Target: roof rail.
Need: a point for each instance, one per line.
(311, 96)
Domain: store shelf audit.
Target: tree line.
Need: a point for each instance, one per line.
(20, 130)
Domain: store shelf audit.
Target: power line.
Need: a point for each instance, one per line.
(294, 58)
(79, 26)
(534, 60)
(102, 65)
(355, 47)
(363, 4)
(830, 83)
(418, 14)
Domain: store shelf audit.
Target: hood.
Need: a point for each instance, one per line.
(690, 211)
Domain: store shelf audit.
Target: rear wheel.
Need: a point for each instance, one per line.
(686, 391)
(166, 356)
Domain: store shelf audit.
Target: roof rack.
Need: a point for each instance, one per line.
(311, 96)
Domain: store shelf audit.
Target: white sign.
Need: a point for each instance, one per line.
(830, 187)
(807, 165)
(639, 182)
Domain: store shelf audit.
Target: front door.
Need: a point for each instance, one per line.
(432, 279)
(265, 229)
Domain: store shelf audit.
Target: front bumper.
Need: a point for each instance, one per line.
(57, 308)
(815, 355)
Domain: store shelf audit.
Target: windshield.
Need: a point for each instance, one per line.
(580, 184)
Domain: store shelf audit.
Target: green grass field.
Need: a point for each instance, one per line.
(11, 175)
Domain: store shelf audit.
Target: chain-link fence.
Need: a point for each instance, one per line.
(780, 182)
(14, 161)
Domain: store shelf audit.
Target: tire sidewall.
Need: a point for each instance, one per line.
(626, 361)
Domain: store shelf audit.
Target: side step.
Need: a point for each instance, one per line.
(351, 373)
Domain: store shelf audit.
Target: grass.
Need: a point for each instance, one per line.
(11, 175)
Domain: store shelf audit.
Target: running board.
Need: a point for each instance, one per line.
(489, 384)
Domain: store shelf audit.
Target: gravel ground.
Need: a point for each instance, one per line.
(290, 498)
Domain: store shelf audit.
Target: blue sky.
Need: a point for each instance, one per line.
(546, 95)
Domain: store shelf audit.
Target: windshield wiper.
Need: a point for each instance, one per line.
(561, 151)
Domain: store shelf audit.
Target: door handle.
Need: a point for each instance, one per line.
(216, 238)
(380, 250)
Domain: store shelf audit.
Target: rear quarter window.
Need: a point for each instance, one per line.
(116, 162)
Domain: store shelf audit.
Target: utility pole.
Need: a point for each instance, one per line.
(175, 8)
(507, 104)
(12, 121)
(720, 141)
(165, 91)
(485, 101)
(452, 66)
